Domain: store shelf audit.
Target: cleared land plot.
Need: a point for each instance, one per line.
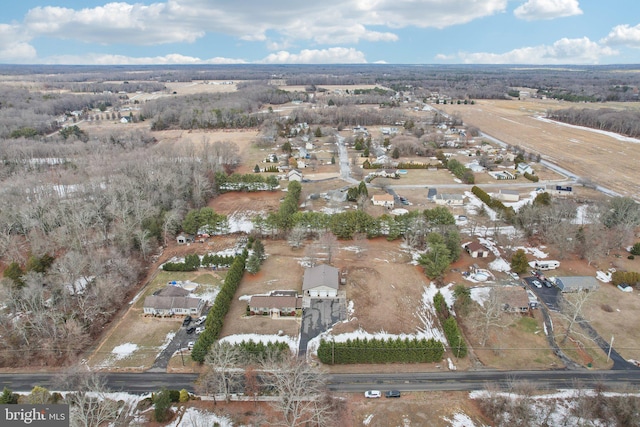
(606, 160)
(280, 271)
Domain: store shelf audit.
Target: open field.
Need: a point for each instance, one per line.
(606, 160)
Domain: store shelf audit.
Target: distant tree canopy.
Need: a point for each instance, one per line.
(624, 122)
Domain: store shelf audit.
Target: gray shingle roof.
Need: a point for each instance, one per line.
(320, 275)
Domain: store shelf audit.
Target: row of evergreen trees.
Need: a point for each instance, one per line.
(215, 317)
(398, 350)
(494, 204)
(450, 327)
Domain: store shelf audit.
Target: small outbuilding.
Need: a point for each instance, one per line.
(577, 283)
(449, 199)
(509, 195)
(321, 281)
(476, 250)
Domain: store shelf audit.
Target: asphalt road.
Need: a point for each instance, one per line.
(140, 383)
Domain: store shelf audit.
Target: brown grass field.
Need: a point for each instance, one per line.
(604, 159)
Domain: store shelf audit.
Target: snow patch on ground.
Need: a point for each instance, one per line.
(480, 294)
(452, 367)
(237, 339)
(242, 221)
(536, 252)
(499, 264)
(124, 350)
(194, 417)
(475, 205)
(367, 420)
(558, 407)
(209, 293)
(460, 420)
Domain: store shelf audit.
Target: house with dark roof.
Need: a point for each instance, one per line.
(173, 301)
(321, 281)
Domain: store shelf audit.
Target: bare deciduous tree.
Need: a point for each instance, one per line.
(301, 393)
(571, 308)
(488, 316)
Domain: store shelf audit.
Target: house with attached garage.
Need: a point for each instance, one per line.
(523, 168)
(321, 281)
(275, 305)
(167, 306)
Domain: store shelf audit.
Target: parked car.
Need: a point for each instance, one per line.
(547, 284)
(536, 283)
(190, 345)
(372, 394)
(199, 329)
(392, 393)
(191, 330)
(187, 320)
(625, 287)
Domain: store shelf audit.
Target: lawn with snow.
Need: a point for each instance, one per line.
(194, 417)
(460, 420)
(554, 409)
(480, 294)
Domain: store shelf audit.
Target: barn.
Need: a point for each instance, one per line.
(577, 283)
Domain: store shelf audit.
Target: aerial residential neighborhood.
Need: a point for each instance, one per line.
(368, 240)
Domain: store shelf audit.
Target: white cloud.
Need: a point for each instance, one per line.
(563, 51)
(623, 35)
(334, 55)
(14, 45)
(534, 10)
(328, 22)
(105, 59)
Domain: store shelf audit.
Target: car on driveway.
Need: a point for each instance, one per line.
(199, 329)
(536, 283)
(190, 345)
(392, 393)
(547, 283)
(191, 330)
(372, 394)
(186, 321)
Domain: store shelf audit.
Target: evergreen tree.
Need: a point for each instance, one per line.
(519, 263)
(396, 153)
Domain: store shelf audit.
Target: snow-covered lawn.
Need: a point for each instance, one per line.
(193, 417)
(124, 350)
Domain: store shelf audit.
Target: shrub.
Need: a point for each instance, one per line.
(530, 177)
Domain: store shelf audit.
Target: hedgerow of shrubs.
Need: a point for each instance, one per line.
(191, 263)
(256, 352)
(450, 327)
(215, 317)
(376, 350)
(533, 178)
(494, 204)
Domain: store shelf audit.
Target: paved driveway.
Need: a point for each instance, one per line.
(319, 317)
(551, 297)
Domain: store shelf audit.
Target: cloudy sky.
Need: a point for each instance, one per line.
(316, 32)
